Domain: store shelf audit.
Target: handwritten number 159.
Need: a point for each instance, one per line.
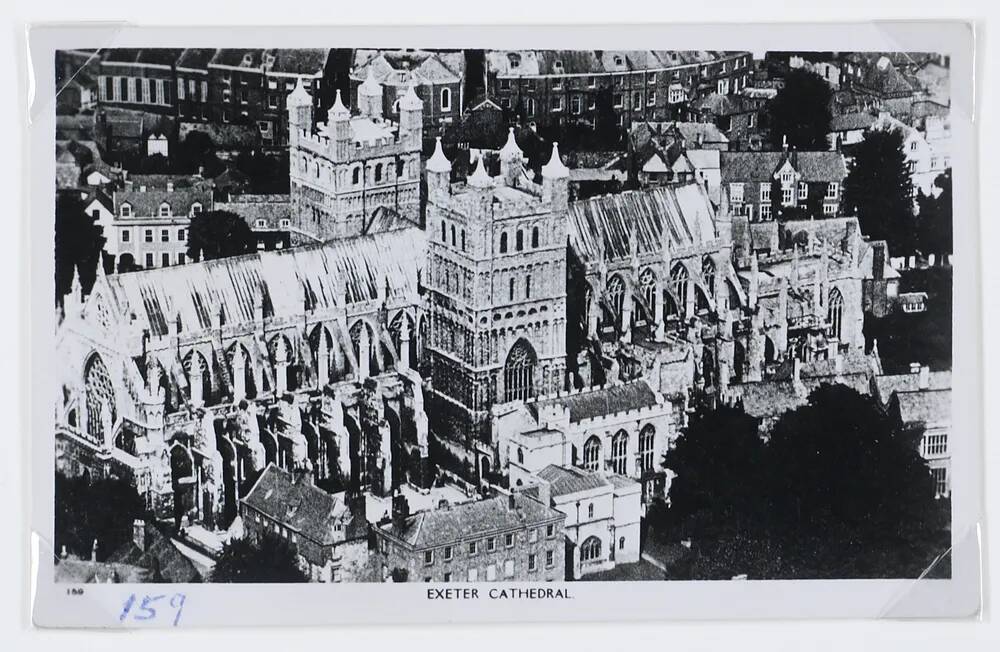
(144, 608)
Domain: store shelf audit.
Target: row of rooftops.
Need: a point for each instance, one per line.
(529, 63)
(293, 61)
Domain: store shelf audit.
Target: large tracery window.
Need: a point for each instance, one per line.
(591, 549)
(619, 453)
(835, 314)
(708, 273)
(647, 440)
(519, 372)
(592, 454)
(100, 398)
(616, 297)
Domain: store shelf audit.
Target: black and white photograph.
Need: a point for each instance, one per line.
(529, 321)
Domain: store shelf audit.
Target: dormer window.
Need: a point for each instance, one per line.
(557, 65)
(515, 60)
(619, 61)
(164, 209)
(125, 210)
(247, 58)
(195, 208)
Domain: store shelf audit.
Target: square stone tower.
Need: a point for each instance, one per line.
(496, 280)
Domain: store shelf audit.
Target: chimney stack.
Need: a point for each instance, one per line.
(400, 510)
(924, 379)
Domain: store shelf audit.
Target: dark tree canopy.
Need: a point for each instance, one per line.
(935, 228)
(219, 234)
(878, 190)
(838, 491)
(78, 244)
(268, 560)
(800, 112)
(716, 459)
(103, 510)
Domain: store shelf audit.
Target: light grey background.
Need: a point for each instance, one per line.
(606, 604)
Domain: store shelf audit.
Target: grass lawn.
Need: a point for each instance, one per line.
(640, 571)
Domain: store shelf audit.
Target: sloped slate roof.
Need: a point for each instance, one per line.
(237, 57)
(601, 227)
(599, 402)
(297, 504)
(467, 521)
(147, 202)
(851, 121)
(924, 406)
(889, 385)
(196, 58)
(571, 480)
(761, 166)
(364, 264)
(398, 67)
(160, 554)
(884, 78)
(299, 61)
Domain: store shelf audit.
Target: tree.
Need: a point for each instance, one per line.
(268, 560)
(848, 492)
(104, 510)
(716, 460)
(78, 244)
(878, 190)
(219, 234)
(800, 111)
(935, 233)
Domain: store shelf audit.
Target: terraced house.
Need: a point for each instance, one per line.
(512, 538)
(556, 86)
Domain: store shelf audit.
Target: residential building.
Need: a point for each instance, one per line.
(152, 215)
(437, 78)
(920, 401)
(192, 84)
(329, 532)
(926, 162)
(506, 538)
(602, 517)
(138, 79)
(269, 216)
(762, 185)
(353, 173)
(555, 86)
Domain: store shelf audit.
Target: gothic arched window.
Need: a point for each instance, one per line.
(444, 232)
(503, 243)
(519, 372)
(647, 440)
(708, 273)
(534, 237)
(591, 549)
(453, 239)
(463, 239)
(616, 297)
(519, 241)
(592, 454)
(378, 173)
(100, 398)
(619, 452)
(590, 510)
(835, 314)
(647, 285)
(679, 278)
(198, 375)
(356, 176)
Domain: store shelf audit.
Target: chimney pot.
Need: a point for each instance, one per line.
(139, 534)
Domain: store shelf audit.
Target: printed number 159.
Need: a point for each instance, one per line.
(143, 608)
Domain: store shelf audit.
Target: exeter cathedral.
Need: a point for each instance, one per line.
(513, 329)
